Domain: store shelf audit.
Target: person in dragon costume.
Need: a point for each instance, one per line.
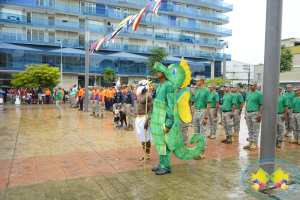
(168, 109)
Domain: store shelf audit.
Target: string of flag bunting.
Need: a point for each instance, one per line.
(133, 20)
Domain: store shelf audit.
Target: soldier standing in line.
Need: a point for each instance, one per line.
(201, 111)
(96, 102)
(184, 126)
(221, 94)
(253, 115)
(129, 105)
(282, 113)
(295, 116)
(92, 100)
(228, 108)
(290, 96)
(238, 110)
(213, 114)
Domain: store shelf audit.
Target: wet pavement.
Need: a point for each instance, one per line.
(80, 157)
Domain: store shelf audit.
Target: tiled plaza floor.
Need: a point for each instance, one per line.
(80, 157)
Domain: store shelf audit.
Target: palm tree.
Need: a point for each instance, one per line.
(242, 85)
(109, 74)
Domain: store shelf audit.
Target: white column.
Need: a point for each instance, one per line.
(212, 69)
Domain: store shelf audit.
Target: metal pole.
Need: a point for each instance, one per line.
(270, 82)
(87, 69)
(61, 69)
(224, 63)
(249, 79)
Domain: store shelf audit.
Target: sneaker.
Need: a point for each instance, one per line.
(294, 141)
(213, 136)
(120, 127)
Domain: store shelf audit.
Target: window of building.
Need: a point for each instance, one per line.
(3, 59)
(117, 12)
(258, 76)
(87, 7)
(39, 2)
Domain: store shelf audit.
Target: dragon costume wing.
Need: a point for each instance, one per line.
(184, 108)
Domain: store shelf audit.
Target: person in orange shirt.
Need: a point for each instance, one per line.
(80, 95)
(111, 96)
(12, 93)
(47, 93)
(101, 102)
(63, 93)
(124, 89)
(106, 98)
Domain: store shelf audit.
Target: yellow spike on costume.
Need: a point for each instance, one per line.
(184, 108)
(188, 73)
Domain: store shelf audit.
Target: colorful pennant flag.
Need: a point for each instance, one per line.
(138, 19)
(149, 8)
(124, 21)
(155, 8)
(100, 43)
(116, 32)
(129, 22)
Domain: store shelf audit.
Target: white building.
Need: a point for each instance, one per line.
(235, 71)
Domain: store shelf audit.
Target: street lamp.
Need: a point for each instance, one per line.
(247, 67)
(61, 43)
(224, 61)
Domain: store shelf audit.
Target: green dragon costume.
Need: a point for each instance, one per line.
(168, 109)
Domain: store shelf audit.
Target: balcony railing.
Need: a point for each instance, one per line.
(79, 26)
(193, 12)
(215, 3)
(166, 20)
(76, 43)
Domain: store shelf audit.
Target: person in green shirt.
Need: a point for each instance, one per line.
(213, 113)
(238, 110)
(253, 115)
(290, 94)
(281, 117)
(228, 108)
(295, 117)
(184, 126)
(58, 100)
(201, 111)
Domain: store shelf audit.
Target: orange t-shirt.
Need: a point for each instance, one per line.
(63, 92)
(47, 92)
(80, 93)
(93, 94)
(102, 96)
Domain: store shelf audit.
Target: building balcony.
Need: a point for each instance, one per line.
(79, 26)
(191, 12)
(76, 43)
(100, 10)
(214, 3)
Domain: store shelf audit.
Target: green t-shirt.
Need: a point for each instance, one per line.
(296, 104)
(254, 100)
(227, 101)
(290, 96)
(58, 95)
(181, 92)
(201, 98)
(214, 97)
(239, 100)
(282, 103)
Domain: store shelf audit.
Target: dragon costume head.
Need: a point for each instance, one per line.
(178, 75)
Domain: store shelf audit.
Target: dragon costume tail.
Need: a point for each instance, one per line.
(184, 153)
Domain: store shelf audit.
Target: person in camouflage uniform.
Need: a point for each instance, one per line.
(213, 113)
(229, 104)
(290, 94)
(295, 117)
(238, 110)
(253, 115)
(201, 111)
(282, 113)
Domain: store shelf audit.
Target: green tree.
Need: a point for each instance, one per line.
(286, 59)
(108, 74)
(217, 81)
(37, 76)
(158, 54)
(242, 85)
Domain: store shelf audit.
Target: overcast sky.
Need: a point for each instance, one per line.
(247, 22)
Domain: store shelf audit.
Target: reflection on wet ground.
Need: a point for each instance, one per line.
(79, 156)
